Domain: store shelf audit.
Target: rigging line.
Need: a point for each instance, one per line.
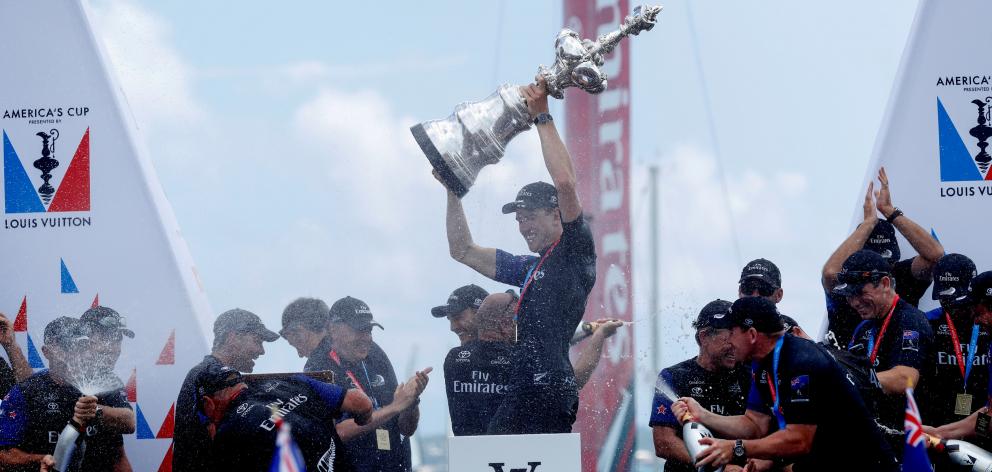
(711, 125)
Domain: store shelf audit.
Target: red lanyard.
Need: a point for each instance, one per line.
(881, 332)
(531, 276)
(957, 344)
(334, 356)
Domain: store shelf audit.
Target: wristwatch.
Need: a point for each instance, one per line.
(543, 118)
(740, 456)
(895, 214)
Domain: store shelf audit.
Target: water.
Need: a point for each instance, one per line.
(91, 376)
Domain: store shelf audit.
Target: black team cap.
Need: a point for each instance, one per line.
(353, 312)
(882, 240)
(217, 377)
(764, 270)
(754, 312)
(712, 315)
(952, 278)
(468, 296)
(106, 318)
(242, 321)
(981, 287)
(862, 267)
(65, 331)
(533, 196)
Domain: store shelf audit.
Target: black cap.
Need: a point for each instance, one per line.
(532, 196)
(764, 270)
(468, 296)
(713, 315)
(65, 331)
(952, 278)
(754, 312)
(981, 287)
(789, 322)
(216, 377)
(105, 318)
(311, 312)
(353, 312)
(860, 268)
(242, 321)
(882, 240)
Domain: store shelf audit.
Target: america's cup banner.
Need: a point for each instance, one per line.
(933, 139)
(85, 220)
(598, 134)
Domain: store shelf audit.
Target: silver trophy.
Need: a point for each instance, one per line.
(477, 133)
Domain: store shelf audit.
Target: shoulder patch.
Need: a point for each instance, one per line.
(800, 389)
(910, 340)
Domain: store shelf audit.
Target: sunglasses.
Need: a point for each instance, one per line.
(763, 288)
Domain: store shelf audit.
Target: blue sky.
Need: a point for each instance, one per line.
(280, 137)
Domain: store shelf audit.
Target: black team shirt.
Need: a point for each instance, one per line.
(813, 389)
(552, 303)
(722, 392)
(941, 377)
(475, 379)
(907, 341)
(192, 442)
(246, 435)
(35, 411)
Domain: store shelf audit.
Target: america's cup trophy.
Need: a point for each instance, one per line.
(477, 133)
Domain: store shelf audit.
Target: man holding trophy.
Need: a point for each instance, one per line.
(554, 285)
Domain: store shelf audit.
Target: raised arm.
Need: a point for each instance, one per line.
(18, 362)
(928, 248)
(460, 244)
(556, 157)
(853, 243)
(589, 358)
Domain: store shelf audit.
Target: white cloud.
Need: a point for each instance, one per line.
(156, 79)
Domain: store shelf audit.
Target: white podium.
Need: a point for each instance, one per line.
(517, 453)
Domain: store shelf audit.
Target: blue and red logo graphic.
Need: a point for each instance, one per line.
(73, 192)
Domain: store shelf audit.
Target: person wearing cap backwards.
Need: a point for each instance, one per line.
(35, 411)
(107, 330)
(238, 338)
(894, 336)
(801, 407)
(244, 418)
(955, 378)
(554, 284)
(713, 378)
(910, 277)
(460, 310)
(974, 427)
(381, 444)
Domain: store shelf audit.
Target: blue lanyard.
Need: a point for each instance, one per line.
(375, 403)
(776, 409)
(972, 347)
(857, 330)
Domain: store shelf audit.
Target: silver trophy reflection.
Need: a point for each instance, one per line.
(477, 133)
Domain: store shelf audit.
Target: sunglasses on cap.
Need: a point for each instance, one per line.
(857, 277)
(763, 288)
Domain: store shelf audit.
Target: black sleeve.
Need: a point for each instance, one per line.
(908, 286)
(914, 340)
(808, 389)
(576, 238)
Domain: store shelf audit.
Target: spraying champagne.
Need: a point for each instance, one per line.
(692, 432)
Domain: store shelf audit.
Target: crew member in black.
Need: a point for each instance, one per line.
(910, 277)
(980, 298)
(895, 337)
(801, 406)
(477, 373)
(381, 445)
(245, 417)
(714, 378)
(238, 338)
(761, 278)
(35, 411)
(460, 310)
(18, 369)
(955, 378)
(304, 326)
(554, 286)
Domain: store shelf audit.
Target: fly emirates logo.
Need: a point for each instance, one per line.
(480, 384)
(281, 408)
